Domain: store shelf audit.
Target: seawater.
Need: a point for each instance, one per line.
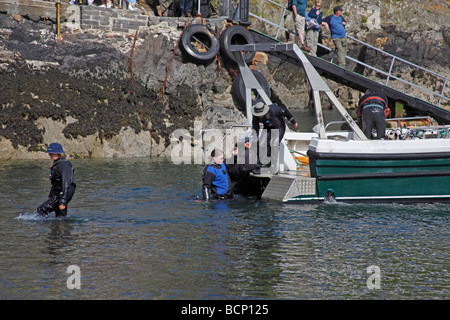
(135, 231)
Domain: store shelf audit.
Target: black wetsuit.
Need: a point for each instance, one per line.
(242, 170)
(272, 120)
(62, 190)
(372, 112)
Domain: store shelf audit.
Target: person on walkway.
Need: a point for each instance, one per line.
(106, 4)
(272, 118)
(336, 23)
(131, 5)
(312, 34)
(372, 112)
(216, 181)
(299, 9)
(62, 183)
(186, 8)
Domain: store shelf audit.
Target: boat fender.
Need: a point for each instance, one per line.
(236, 35)
(238, 89)
(200, 43)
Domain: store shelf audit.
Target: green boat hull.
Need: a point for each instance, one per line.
(409, 177)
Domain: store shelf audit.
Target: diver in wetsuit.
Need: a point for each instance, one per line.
(62, 183)
(216, 181)
(272, 117)
(238, 170)
(372, 112)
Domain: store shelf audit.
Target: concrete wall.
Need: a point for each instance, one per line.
(91, 17)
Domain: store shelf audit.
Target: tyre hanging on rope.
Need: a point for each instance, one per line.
(236, 35)
(200, 43)
(238, 89)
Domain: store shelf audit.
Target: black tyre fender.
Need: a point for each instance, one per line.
(236, 34)
(200, 43)
(238, 89)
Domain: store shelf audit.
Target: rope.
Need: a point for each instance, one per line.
(171, 60)
(276, 69)
(131, 64)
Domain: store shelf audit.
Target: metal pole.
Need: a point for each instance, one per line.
(390, 70)
(442, 92)
(244, 9)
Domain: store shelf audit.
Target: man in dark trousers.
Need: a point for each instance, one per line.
(272, 118)
(372, 112)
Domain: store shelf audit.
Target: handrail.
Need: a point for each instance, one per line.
(279, 26)
(390, 75)
(398, 120)
(394, 58)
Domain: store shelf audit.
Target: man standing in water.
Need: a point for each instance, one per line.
(62, 183)
(216, 181)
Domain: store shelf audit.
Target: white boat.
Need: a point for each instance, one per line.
(346, 165)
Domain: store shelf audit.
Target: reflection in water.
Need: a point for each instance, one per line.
(136, 232)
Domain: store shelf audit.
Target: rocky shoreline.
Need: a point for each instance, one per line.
(79, 92)
(106, 96)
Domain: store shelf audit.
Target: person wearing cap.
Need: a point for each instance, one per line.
(272, 117)
(336, 23)
(62, 183)
(299, 11)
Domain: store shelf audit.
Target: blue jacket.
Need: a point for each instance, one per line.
(216, 182)
(336, 27)
(318, 17)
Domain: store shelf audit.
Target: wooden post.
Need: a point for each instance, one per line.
(58, 20)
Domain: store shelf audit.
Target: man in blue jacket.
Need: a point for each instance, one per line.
(336, 24)
(216, 181)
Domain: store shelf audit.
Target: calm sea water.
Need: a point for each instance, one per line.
(135, 231)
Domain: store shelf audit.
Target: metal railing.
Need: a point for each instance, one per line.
(279, 26)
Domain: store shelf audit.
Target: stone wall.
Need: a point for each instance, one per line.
(92, 18)
(112, 20)
(31, 8)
